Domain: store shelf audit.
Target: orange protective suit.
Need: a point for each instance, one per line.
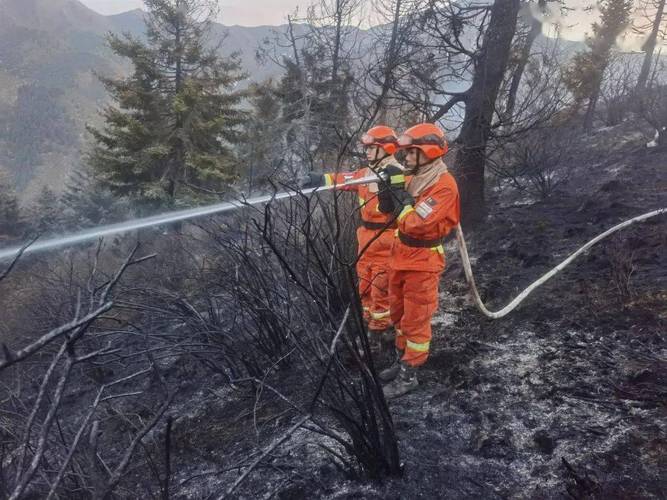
(373, 263)
(418, 259)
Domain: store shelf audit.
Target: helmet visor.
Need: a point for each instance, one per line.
(405, 141)
(369, 140)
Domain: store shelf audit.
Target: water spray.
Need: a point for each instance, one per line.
(192, 213)
(166, 218)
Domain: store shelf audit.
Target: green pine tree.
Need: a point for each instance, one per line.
(263, 135)
(86, 202)
(176, 118)
(11, 224)
(316, 106)
(45, 214)
(584, 75)
(315, 91)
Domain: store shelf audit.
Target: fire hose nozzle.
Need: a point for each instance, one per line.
(384, 176)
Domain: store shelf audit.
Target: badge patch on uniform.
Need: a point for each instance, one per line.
(423, 209)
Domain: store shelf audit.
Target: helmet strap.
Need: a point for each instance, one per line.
(378, 160)
(421, 164)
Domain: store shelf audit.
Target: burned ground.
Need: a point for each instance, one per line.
(563, 398)
(566, 395)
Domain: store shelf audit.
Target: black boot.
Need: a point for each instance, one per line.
(405, 382)
(380, 342)
(391, 372)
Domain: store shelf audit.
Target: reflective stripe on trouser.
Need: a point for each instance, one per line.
(413, 297)
(374, 292)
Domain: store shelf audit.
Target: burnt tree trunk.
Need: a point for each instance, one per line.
(535, 30)
(649, 47)
(590, 109)
(595, 95)
(388, 73)
(480, 101)
(179, 172)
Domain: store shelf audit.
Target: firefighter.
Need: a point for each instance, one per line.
(426, 210)
(375, 234)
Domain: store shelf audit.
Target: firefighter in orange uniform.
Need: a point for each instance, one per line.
(426, 210)
(375, 236)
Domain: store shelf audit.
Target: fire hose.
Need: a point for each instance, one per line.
(181, 215)
(463, 249)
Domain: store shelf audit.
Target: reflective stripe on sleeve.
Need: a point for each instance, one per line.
(406, 210)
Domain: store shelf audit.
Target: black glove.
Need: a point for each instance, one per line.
(392, 195)
(385, 200)
(310, 180)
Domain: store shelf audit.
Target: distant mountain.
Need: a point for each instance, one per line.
(243, 40)
(51, 15)
(131, 22)
(50, 51)
(83, 30)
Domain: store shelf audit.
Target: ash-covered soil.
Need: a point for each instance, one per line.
(566, 396)
(563, 398)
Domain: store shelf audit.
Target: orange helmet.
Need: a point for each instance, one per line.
(383, 137)
(427, 137)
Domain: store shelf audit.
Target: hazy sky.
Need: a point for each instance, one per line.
(574, 26)
(244, 12)
(272, 12)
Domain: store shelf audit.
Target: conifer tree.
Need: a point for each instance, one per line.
(315, 90)
(86, 202)
(585, 74)
(263, 136)
(11, 224)
(46, 213)
(653, 10)
(176, 117)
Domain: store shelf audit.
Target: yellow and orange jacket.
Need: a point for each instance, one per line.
(418, 242)
(372, 220)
